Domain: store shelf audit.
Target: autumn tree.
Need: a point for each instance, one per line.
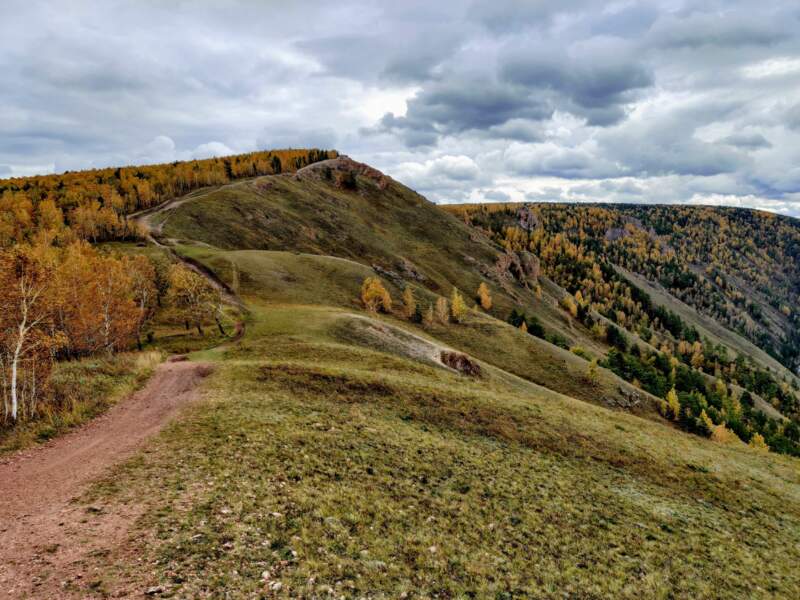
(143, 281)
(409, 303)
(374, 296)
(757, 442)
(95, 305)
(673, 404)
(458, 308)
(484, 297)
(26, 329)
(442, 310)
(196, 299)
(428, 316)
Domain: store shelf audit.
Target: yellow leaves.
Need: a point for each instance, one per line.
(458, 308)
(374, 296)
(567, 302)
(95, 199)
(409, 303)
(723, 435)
(193, 295)
(757, 443)
(673, 404)
(484, 296)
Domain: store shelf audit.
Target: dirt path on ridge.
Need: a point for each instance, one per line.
(44, 537)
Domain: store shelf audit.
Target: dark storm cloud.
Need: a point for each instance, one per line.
(458, 105)
(597, 83)
(657, 100)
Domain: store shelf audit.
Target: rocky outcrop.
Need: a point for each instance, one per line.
(527, 218)
(522, 266)
(461, 363)
(530, 265)
(409, 270)
(627, 399)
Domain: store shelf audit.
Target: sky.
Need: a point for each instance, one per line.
(694, 102)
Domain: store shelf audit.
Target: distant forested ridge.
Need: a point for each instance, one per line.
(739, 267)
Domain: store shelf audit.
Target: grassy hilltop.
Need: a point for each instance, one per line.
(335, 455)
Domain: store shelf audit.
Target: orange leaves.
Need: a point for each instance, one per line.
(374, 296)
(193, 296)
(94, 201)
(96, 301)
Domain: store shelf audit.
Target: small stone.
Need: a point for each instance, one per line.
(275, 586)
(154, 590)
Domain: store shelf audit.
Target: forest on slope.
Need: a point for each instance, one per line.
(737, 267)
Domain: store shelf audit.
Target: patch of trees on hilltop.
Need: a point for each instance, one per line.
(92, 205)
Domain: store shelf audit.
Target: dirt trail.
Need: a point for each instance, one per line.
(43, 535)
(144, 218)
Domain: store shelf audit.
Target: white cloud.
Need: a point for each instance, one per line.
(647, 102)
(210, 149)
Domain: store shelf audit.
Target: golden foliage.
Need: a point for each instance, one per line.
(91, 205)
(757, 442)
(374, 296)
(458, 308)
(484, 296)
(409, 303)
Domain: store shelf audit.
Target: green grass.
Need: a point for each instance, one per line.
(294, 278)
(372, 226)
(333, 466)
(331, 454)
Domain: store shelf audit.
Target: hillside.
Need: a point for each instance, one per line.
(675, 288)
(527, 449)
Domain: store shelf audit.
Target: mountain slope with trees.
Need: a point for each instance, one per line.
(443, 403)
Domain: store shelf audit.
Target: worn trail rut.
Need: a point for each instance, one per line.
(43, 535)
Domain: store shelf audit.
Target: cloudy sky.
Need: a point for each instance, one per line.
(670, 101)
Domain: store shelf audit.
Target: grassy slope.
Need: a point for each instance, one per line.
(289, 278)
(374, 226)
(331, 465)
(332, 458)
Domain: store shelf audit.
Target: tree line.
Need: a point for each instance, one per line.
(93, 205)
(66, 303)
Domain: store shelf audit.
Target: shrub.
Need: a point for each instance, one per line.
(592, 377)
